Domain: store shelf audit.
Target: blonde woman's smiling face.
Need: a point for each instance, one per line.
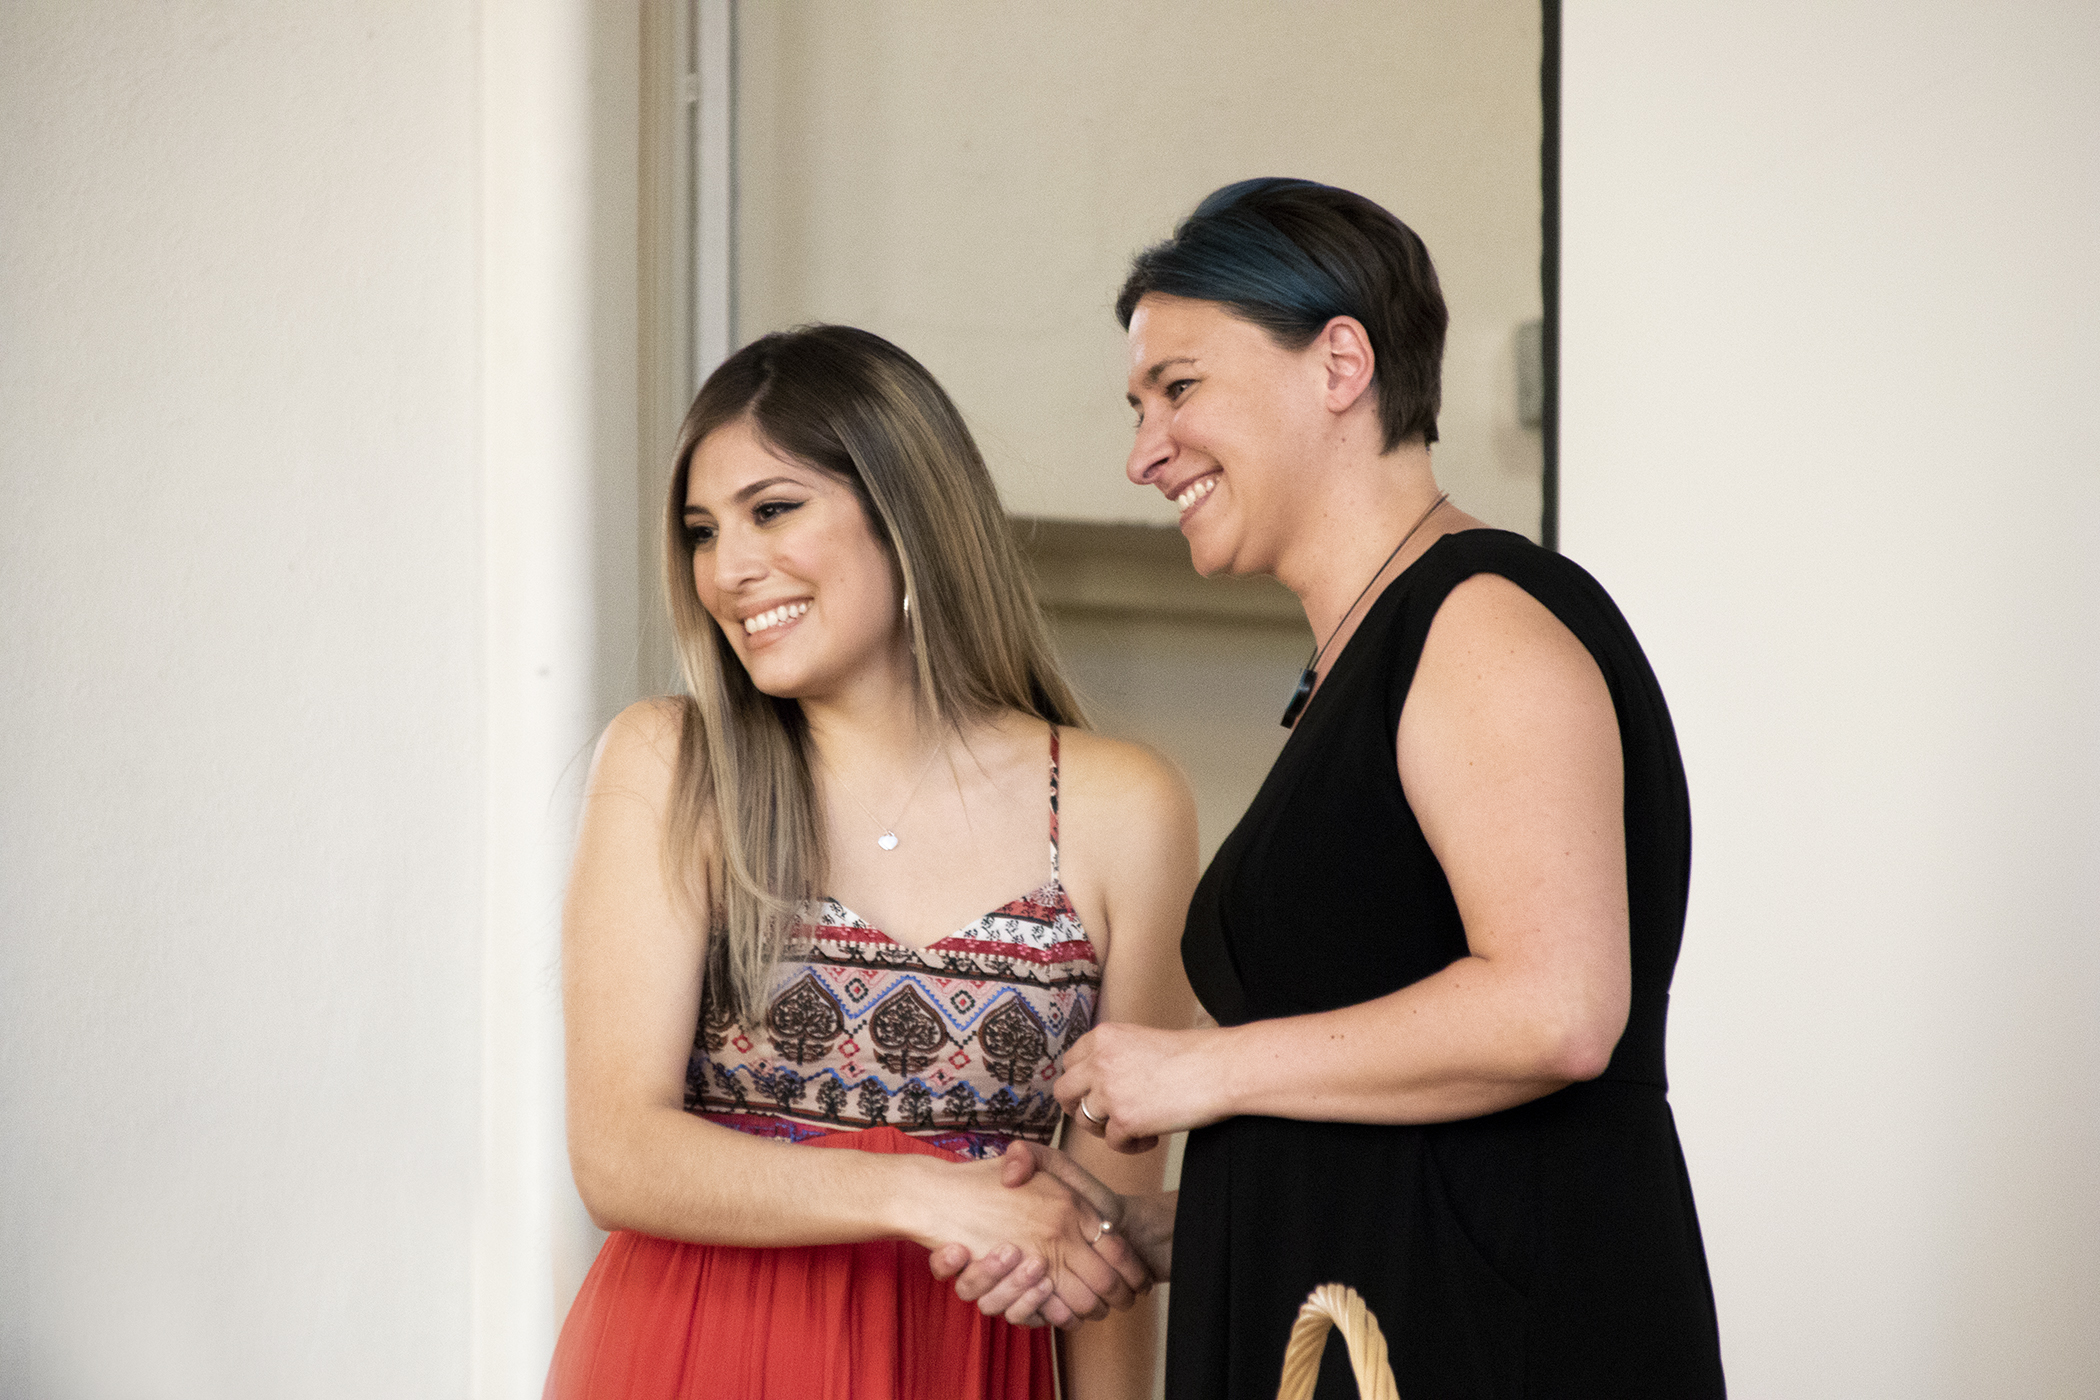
(787, 563)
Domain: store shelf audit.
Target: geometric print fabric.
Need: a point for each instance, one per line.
(958, 1044)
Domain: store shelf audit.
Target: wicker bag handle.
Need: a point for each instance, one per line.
(1336, 1305)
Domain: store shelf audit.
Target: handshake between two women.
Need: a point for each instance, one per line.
(1078, 1248)
(1058, 1247)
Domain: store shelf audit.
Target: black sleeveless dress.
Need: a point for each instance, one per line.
(1547, 1250)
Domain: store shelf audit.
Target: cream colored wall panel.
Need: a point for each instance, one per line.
(241, 830)
(318, 566)
(1831, 329)
(971, 180)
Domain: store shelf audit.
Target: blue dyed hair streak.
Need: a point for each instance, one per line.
(1290, 256)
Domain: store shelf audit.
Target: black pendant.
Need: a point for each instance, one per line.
(1298, 698)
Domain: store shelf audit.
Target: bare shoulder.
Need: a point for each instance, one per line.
(1120, 782)
(655, 723)
(1127, 823)
(1504, 697)
(638, 752)
(630, 802)
(1490, 636)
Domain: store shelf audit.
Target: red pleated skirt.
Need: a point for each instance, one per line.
(661, 1320)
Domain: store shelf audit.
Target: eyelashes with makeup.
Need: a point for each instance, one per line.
(765, 513)
(1173, 394)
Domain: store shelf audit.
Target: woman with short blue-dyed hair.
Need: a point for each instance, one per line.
(1437, 949)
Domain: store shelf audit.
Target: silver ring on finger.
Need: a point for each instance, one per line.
(1088, 1114)
(1107, 1227)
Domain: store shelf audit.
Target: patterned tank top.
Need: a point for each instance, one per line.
(957, 1044)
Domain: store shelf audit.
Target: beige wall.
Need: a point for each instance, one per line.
(318, 575)
(317, 377)
(1832, 327)
(242, 823)
(971, 180)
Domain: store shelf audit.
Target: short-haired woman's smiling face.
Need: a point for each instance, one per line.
(1223, 417)
(787, 563)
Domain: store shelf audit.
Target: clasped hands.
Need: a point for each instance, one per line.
(1076, 1273)
(1119, 1084)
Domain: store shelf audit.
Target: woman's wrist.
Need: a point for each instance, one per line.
(911, 1205)
(1217, 1049)
(1148, 1227)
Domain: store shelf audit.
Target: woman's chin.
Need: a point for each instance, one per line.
(1210, 553)
(778, 681)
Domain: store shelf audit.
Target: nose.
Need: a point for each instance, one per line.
(1152, 450)
(739, 560)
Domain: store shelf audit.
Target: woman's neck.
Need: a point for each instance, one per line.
(1345, 536)
(875, 728)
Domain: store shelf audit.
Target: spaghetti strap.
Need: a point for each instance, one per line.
(1053, 803)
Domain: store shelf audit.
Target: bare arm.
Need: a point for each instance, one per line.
(632, 963)
(1508, 750)
(1142, 853)
(1134, 843)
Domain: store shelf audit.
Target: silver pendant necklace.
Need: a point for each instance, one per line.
(1311, 673)
(888, 839)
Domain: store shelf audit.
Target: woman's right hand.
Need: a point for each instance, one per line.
(1051, 1250)
(1006, 1282)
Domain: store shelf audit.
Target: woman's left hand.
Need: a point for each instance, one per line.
(1131, 1084)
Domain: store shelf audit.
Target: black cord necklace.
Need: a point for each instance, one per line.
(1312, 667)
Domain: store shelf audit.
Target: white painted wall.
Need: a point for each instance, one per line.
(560, 434)
(243, 749)
(1832, 331)
(316, 558)
(971, 180)
(1831, 327)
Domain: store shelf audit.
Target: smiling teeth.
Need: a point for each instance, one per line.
(773, 617)
(1196, 492)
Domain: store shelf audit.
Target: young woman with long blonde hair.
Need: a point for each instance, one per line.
(858, 889)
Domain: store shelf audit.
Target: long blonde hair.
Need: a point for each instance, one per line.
(744, 832)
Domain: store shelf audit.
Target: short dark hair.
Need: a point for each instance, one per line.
(1290, 256)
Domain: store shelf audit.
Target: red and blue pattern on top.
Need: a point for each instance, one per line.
(957, 1044)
